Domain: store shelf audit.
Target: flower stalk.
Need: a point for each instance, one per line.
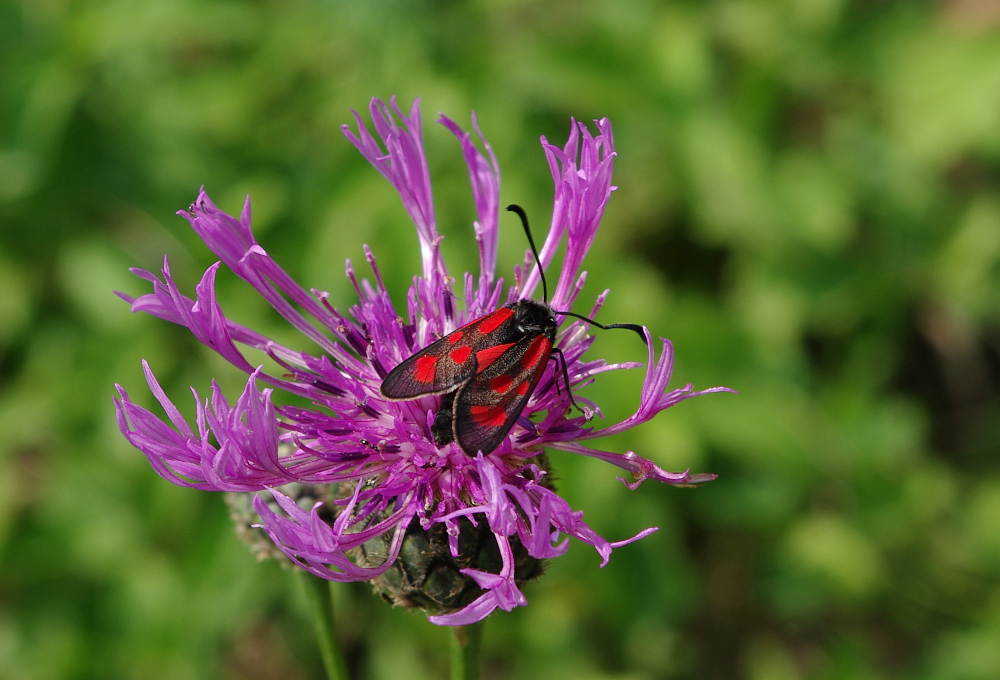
(320, 600)
(466, 643)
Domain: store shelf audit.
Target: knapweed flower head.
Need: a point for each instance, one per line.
(382, 490)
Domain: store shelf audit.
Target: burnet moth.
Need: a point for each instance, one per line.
(487, 369)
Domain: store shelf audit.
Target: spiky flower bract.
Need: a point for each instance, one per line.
(391, 479)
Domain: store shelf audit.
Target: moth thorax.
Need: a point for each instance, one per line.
(534, 318)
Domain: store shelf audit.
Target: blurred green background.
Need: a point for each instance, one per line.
(809, 206)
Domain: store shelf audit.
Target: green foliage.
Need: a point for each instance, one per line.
(809, 207)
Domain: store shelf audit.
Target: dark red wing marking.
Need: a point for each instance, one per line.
(423, 369)
(501, 384)
(489, 416)
(534, 354)
(488, 405)
(452, 360)
(460, 355)
(487, 356)
(491, 322)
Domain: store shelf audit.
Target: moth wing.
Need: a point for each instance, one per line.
(448, 362)
(488, 405)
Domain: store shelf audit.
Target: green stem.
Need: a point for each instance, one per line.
(320, 601)
(465, 644)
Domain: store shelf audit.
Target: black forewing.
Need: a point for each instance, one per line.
(434, 370)
(484, 413)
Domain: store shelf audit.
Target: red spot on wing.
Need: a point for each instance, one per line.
(493, 321)
(501, 384)
(455, 337)
(522, 388)
(489, 416)
(487, 356)
(534, 353)
(424, 369)
(461, 354)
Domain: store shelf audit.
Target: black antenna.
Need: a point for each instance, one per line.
(545, 289)
(538, 261)
(631, 326)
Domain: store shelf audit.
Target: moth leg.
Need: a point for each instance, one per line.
(565, 376)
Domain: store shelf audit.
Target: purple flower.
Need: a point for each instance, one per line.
(380, 454)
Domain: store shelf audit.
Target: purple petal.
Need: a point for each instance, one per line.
(654, 397)
(246, 458)
(403, 163)
(485, 178)
(501, 592)
(582, 189)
